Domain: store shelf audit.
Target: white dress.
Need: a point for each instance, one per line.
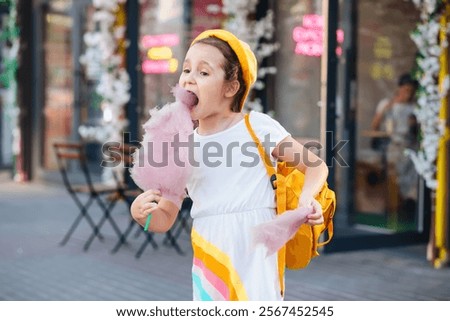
(231, 193)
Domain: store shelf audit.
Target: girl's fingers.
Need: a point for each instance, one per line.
(151, 196)
(315, 218)
(154, 191)
(153, 199)
(150, 193)
(148, 205)
(315, 222)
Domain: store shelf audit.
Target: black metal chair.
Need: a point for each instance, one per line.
(73, 154)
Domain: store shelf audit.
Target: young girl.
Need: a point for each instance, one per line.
(229, 187)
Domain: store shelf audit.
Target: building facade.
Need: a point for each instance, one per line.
(373, 48)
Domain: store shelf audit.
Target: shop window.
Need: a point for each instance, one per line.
(297, 89)
(383, 198)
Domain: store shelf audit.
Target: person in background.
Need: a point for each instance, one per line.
(395, 115)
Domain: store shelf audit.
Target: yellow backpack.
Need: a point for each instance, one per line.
(288, 183)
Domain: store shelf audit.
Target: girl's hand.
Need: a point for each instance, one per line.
(144, 204)
(316, 217)
(164, 212)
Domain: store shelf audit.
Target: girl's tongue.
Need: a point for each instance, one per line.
(193, 100)
(184, 96)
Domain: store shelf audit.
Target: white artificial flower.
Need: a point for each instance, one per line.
(213, 9)
(417, 3)
(102, 63)
(252, 32)
(110, 5)
(426, 37)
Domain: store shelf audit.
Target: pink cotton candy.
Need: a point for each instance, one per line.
(162, 161)
(276, 233)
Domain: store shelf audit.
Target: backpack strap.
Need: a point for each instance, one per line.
(329, 227)
(267, 162)
(330, 234)
(280, 189)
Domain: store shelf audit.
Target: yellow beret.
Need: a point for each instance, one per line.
(243, 52)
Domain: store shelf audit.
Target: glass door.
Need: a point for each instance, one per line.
(386, 184)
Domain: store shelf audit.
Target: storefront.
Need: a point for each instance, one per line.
(377, 50)
(373, 50)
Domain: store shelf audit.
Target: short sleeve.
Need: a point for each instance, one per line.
(381, 106)
(269, 131)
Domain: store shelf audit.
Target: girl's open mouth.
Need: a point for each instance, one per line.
(193, 100)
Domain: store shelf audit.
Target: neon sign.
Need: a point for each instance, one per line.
(170, 39)
(160, 66)
(382, 66)
(309, 37)
(159, 53)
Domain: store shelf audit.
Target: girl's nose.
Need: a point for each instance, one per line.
(190, 78)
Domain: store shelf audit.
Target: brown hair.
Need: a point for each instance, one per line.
(231, 67)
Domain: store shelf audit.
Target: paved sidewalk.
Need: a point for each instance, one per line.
(33, 266)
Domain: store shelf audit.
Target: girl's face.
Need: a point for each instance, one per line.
(203, 75)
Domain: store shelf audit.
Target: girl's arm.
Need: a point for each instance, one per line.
(164, 212)
(314, 168)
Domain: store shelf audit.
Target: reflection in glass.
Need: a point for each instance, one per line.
(385, 51)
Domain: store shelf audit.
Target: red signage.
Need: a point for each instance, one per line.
(309, 37)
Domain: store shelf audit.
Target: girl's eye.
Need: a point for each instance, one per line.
(204, 73)
(186, 71)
